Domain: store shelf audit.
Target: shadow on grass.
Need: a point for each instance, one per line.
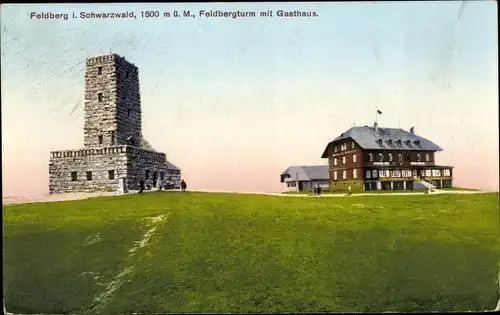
(416, 276)
(60, 271)
(370, 270)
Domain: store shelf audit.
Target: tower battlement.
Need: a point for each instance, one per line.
(110, 150)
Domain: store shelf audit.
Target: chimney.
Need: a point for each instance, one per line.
(375, 126)
(412, 130)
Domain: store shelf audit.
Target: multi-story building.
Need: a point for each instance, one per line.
(115, 154)
(373, 158)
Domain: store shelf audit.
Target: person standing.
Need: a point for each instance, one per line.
(141, 186)
(183, 185)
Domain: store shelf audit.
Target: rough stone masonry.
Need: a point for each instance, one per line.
(114, 148)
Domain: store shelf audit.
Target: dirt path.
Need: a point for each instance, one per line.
(78, 196)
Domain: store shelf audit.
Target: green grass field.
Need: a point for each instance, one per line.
(220, 253)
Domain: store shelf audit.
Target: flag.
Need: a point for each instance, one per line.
(379, 112)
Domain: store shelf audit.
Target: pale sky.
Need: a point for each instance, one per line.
(234, 102)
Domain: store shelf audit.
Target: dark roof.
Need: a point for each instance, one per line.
(171, 166)
(369, 138)
(306, 172)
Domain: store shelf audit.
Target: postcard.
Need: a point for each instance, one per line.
(250, 157)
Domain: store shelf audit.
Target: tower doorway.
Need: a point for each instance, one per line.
(155, 178)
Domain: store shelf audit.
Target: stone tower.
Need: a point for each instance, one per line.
(115, 153)
(112, 102)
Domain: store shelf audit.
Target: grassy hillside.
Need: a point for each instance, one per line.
(207, 252)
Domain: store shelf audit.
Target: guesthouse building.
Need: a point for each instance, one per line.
(376, 158)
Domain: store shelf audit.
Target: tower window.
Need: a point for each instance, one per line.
(99, 70)
(100, 139)
(111, 174)
(89, 175)
(162, 175)
(147, 175)
(127, 74)
(74, 176)
(99, 97)
(113, 141)
(128, 112)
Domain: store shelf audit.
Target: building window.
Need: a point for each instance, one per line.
(113, 138)
(406, 173)
(336, 149)
(99, 70)
(111, 174)
(335, 161)
(418, 157)
(353, 145)
(89, 175)
(436, 173)
(374, 173)
(370, 157)
(344, 174)
(415, 173)
(380, 157)
(128, 112)
(334, 175)
(354, 158)
(396, 173)
(147, 175)
(384, 173)
(446, 172)
(100, 139)
(427, 173)
(354, 173)
(74, 176)
(368, 174)
(127, 75)
(162, 175)
(99, 97)
(400, 158)
(427, 157)
(390, 157)
(343, 160)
